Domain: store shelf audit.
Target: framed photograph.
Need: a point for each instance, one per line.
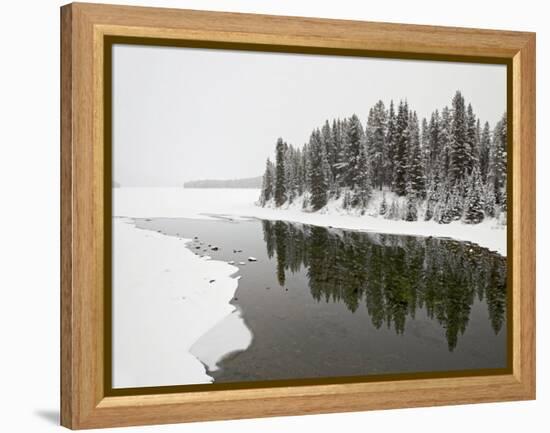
(266, 215)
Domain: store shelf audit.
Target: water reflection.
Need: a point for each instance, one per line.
(392, 276)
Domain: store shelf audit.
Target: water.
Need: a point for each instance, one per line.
(324, 302)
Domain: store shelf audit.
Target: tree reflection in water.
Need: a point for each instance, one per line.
(392, 275)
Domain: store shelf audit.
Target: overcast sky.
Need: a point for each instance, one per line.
(181, 114)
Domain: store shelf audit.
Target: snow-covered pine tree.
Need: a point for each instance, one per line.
(376, 143)
(391, 139)
(290, 174)
(300, 183)
(489, 200)
(472, 139)
(445, 146)
(415, 178)
(338, 141)
(431, 146)
(306, 167)
(280, 193)
(318, 173)
(496, 169)
(484, 147)
(434, 144)
(478, 144)
(443, 209)
(456, 203)
(353, 148)
(474, 213)
(296, 161)
(401, 146)
(442, 181)
(424, 147)
(500, 145)
(343, 163)
(267, 183)
(362, 188)
(330, 150)
(460, 152)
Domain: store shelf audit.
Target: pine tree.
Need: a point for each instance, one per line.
(376, 143)
(474, 210)
(416, 181)
(331, 154)
(401, 146)
(472, 140)
(280, 193)
(353, 149)
(445, 146)
(267, 183)
(496, 167)
(477, 151)
(424, 146)
(291, 185)
(500, 160)
(318, 174)
(391, 139)
(434, 144)
(362, 188)
(300, 174)
(489, 200)
(306, 164)
(443, 209)
(484, 147)
(456, 203)
(460, 152)
(338, 141)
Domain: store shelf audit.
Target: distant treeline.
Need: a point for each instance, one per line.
(250, 182)
(447, 167)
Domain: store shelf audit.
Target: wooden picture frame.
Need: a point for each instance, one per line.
(86, 30)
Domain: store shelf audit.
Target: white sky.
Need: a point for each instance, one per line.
(181, 113)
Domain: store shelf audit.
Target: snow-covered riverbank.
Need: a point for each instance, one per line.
(164, 316)
(195, 203)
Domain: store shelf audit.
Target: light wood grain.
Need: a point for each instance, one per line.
(67, 385)
(83, 401)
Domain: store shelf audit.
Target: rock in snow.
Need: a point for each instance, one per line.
(252, 259)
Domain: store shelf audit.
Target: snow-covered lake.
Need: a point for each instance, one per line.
(177, 316)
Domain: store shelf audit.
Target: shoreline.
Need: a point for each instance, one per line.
(240, 203)
(178, 311)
